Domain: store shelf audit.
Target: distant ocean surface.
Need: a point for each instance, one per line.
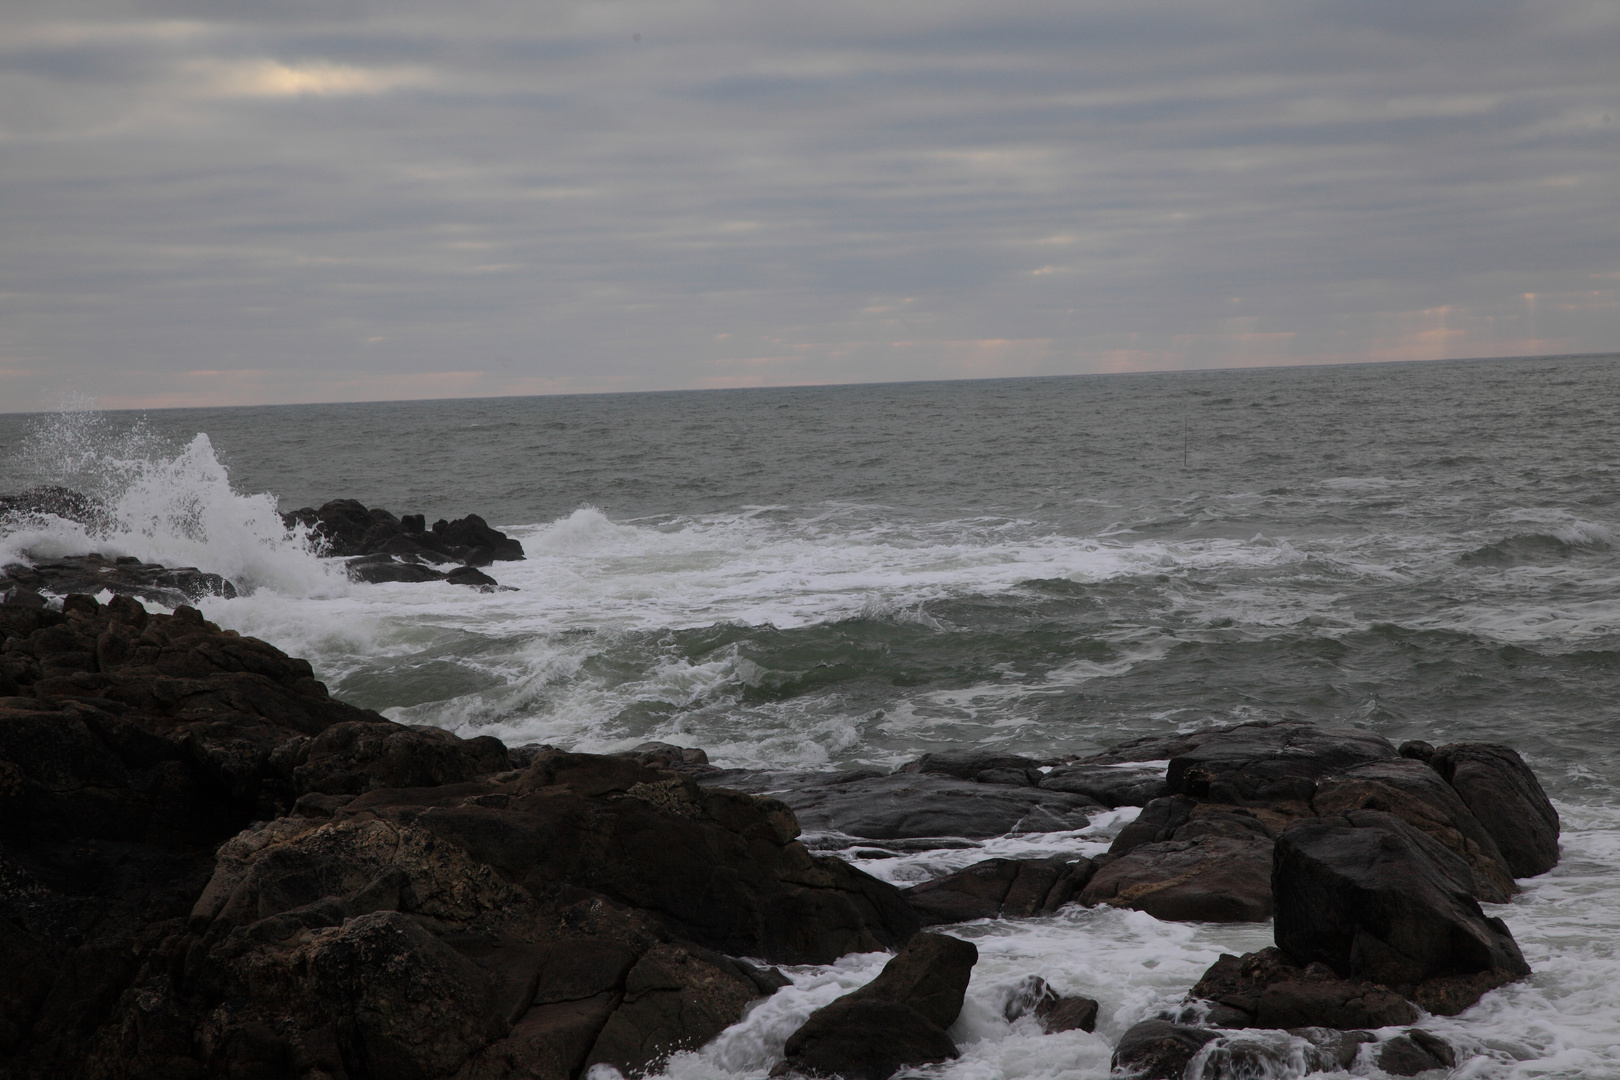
(838, 576)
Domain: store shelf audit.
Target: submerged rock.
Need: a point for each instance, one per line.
(1158, 1049)
(915, 805)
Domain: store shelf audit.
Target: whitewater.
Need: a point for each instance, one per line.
(838, 577)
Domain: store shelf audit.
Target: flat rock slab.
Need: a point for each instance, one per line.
(1109, 784)
(913, 805)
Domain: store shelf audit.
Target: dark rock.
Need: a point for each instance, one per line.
(673, 1000)
(55, 500)
(895, 1020)
(1417, 750)
(1270, 762)
(467, 575)
(1158, 1049)
(1109, 785)
(90, 574)
(1507, 799)
(979, 765)
(1404, 1055)
(1000, 888)
(1416, 794)
(915, 805)
(1066, 1014)
(1159, 820)
(1373, 898)
(1206, 879)
(346, 527)
(683, 759)
(1266, 989)
(1258, 1053)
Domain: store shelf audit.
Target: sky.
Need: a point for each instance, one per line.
(258, 201)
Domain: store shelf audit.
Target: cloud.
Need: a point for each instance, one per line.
(270, 79)
(352, 200)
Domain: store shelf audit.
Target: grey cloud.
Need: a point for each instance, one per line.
(355, 203)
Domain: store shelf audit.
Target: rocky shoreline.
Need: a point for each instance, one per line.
(374, 545)
(211, 868)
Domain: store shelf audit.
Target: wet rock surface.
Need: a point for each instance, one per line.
(897, 1019)
(1000, 888)
(903, 806)
(123, 576)
(208, 867)
(348, 527)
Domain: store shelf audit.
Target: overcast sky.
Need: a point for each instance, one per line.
(246, 201)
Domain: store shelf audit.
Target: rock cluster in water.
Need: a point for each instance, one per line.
(210, 868)
(381, 547)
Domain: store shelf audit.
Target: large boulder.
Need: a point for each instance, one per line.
(1374, 898)
(1203, 879)
(897, 1019)
(1416, 793)
(1507, 799)
(1000, 888)
(914, 805)
(1270, 762)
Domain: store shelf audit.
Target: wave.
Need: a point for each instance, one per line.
(1563, 541)
(159, 505)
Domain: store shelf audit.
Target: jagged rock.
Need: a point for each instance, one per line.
(1417, 794)
(55, 500)
(895, 1020)
(1507, 799)
(124, 576)
(1109, 785)
(1203, 879)
(1000, 888)
(347, 527)
(1266, 989)
(1158, 1049)
(913, 805)
(1373, 898)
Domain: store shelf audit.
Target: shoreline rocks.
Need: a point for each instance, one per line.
(348, 527)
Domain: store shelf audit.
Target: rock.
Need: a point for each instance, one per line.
(1158, 1049)
(467, 575)
(1266, 989)
(979, 765)
(346, 527)
(1000, 888)
(1507, 799)
(1054, 1011)
(91, 574)
(683, 759)
(1206, 879)
(673, 1000)
(1416, 794)
(1276, 1053)
(897, 1019)
(1373, 898)
(1270, 762)
(1413, 1053)
(1177, 817)
(915, 805)
(1109, 785)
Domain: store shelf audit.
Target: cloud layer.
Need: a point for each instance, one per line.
(243, 202)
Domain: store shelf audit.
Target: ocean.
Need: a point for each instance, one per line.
(833, 577)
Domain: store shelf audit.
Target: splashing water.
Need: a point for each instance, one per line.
(161, 505)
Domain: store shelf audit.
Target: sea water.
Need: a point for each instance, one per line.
(835, 577)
